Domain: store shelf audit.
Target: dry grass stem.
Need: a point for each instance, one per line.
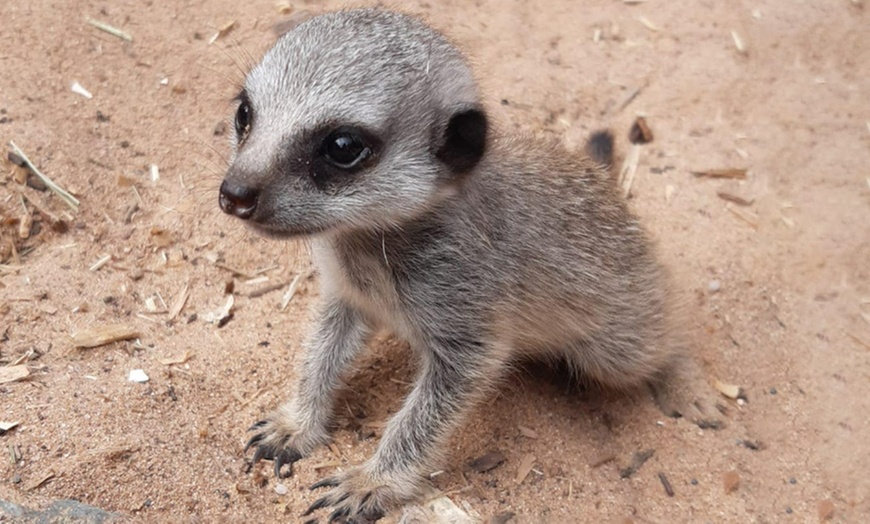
(70, 200)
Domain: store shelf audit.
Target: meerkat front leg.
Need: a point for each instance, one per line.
(299, 426)
(454, 376)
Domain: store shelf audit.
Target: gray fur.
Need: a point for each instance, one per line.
(532, 253)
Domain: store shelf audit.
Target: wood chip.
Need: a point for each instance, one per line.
(826, 510)
(528, 432)
(6, 426)
(730, 197)
(648, 24)
(161, 237)
(114, 31)
(102, 335)
(223, 31)
(750, 218)
(629, 168)
(735, 173)
(327, 464)
(739, 43)
(487, 462)
(853, 336)
(25, 225)
(731, 481)
(219, 315)
(39, 481)
(179, 302)
(640, 132)
(79, 89)
(525, 467)
(729, 390)
(102, 261)
(176, 360)
(637, 461)
(602, 460)
(13, 373)
(266, 290)
(291, 292)
(669, 490)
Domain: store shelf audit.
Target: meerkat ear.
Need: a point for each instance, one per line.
(464, 140)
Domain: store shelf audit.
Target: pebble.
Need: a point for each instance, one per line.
(714, 286)
(826, 510)
(487, 462)
(731, 481)
(137, 375)
(281, 489)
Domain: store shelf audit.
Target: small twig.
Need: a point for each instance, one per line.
(667, 485)
(724, 195)
(265, 290)
(629, 169)
(722, 173)
(114, 31)
(291, 291)
(743, 215)
(70, 200)
(100, 263)
(858, 340)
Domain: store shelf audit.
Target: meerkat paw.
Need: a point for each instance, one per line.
(277, 438)
(358, 498)
(686, 394)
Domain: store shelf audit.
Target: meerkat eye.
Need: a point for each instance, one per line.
(244, 115)
(345, 148)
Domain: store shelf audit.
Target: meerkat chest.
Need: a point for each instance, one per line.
(362, 278)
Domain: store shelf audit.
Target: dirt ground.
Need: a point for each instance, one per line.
(790, 321)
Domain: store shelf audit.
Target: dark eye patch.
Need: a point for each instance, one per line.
(340, 151)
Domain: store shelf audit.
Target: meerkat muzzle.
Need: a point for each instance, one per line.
(238, 200)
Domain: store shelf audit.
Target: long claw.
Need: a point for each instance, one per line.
(254, 441)
(328, 482)
(319, 503)
(261, 453)
(258, 425)
(338, 514)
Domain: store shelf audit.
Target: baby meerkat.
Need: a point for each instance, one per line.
(363, 130)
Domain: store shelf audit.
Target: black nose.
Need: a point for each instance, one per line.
(238, 200)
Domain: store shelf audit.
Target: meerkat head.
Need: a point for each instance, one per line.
(355, 119)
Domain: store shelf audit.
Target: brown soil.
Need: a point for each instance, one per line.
(786, 324)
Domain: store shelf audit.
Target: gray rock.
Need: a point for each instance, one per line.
(59, 512)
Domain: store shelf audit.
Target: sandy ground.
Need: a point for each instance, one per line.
(787, 323)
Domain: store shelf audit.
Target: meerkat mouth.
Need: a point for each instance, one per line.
(269, 230)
